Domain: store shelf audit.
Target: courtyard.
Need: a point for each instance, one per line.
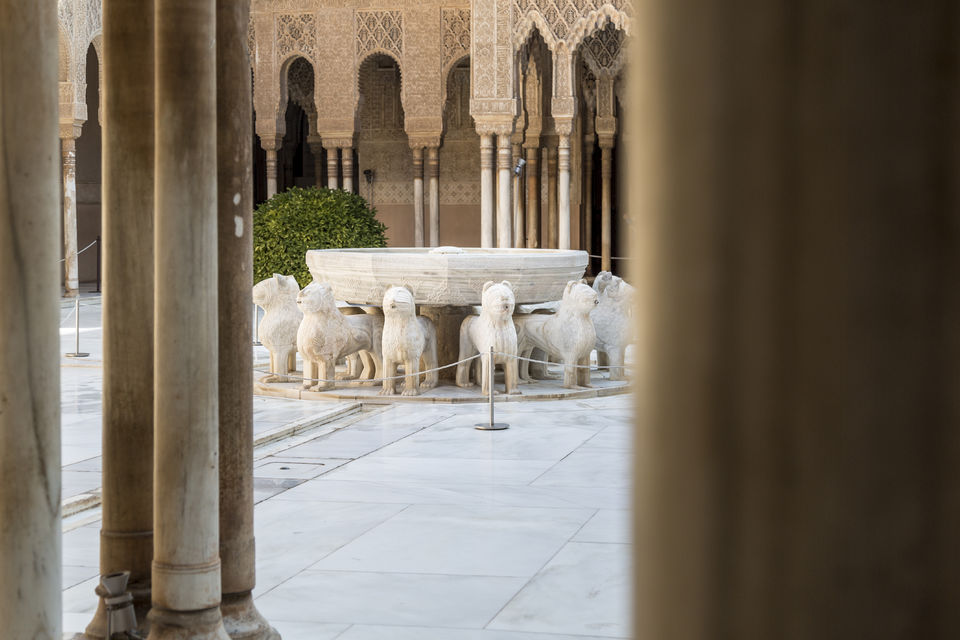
(400, 521)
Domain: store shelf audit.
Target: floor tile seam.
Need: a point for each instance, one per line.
(346, 421)
(433, 574)
(552, 467)
(390, 443)
(535, 574)
(347, 628)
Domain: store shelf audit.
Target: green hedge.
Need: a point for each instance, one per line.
(292, 222)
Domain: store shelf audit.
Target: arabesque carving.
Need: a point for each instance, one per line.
(296, 33)
(456, 34)
(379, 31)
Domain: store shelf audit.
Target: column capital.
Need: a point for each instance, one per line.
(605, 140)
(563, 125)
(270, 141)
(70, 129)
(494, 125)
(424, 140)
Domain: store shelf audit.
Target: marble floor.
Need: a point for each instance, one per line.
(407, 523)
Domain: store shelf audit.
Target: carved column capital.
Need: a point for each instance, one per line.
(432, 164)
(495, 126)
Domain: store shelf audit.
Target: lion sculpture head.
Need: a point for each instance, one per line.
(578, 298)
(497, 300)
(276, 290)
(317, 297)
(399, 301)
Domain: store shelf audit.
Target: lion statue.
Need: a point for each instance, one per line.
(568, 334)
(406, 339)
(612, 322)
(493, 327)
(326, 335)
(277, 296)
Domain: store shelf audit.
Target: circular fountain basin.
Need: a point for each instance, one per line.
(445, 275)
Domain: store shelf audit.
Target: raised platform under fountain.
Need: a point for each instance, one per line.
(445, 276)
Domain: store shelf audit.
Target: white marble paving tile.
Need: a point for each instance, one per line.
(441, 471)
(77, 482)
(81, 598)
(73, 575)
(452, 539)
(378, 632)
(351, 442)
(308, 630)
(613, 438)
(81, 546)
(608, 525)
(270, 468)
(389, 599)
(292, 536)
(586, 468)
(584, 589)
(450, 439)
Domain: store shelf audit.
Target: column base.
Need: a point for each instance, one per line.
(97, 629)
(242, 620)
(206, 624)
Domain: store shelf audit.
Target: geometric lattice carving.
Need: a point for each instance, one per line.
(380, 31)
(456, 34)
(603, 50)
(567, 20)
(297, 33)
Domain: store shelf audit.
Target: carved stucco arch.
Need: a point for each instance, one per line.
(356, 78)
(445, 72)
(592, 21)
(280, 89)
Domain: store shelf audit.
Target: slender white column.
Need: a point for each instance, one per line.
(68, 150)
(505, 199)
(552, 230)
(30, 528)
(347, 161)
(486, 190)
(533, 197)
(433, 188)
(186, 558)
(606, 174)
(518, 201)
(418, 196)
(126, 532)
(271, 144)
(333, 167)
(563, 192)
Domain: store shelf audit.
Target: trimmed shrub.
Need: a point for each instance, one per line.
(290, 223)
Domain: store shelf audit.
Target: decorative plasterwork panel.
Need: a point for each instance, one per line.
(380, 31)
(568, 22)
(603, 51)
(456, 34)
(296, 33)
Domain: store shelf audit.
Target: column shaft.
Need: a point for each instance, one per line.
(606, 234)
(433, 188)
(563, 192)
(30, 533)
(68, 150)
(234, 280)
(186, 562)
(418, 196)
(505, 199)
(347, 169)
(533, 197)
(333, 167)
(552, 219)
(486, 190)
(271, 149)
(518, 200)
(126, 534)
(588, 142)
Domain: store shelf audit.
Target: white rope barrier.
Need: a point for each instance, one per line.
(396, 377)
(81, 251)
(560, 364)
(611, 257)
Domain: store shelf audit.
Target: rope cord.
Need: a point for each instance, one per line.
(397, 377)
(560, 364)
(611, 257)
(81, 251)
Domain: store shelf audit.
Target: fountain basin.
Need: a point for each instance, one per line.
(445, 275)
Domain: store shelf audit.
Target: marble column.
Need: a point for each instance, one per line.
(30, 527)
(271, 145)
(68, 150)
(186, 552)
(589, 140)
(552, 215)
(519, 227)
(533, 196)
(433, 188)
(504, 195)
(417, 196)
(316, 150)
(126, 532)
(333, 166)
(487, 162)
(347, 161)
(563, 192)
(606, 177)
(234, 280)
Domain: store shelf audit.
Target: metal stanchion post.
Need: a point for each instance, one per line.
(491, 426)
(76, 352)
(256, 327)
(99, 258)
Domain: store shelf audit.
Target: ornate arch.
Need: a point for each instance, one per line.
(368, 54)
(561, 22)
(445, 72)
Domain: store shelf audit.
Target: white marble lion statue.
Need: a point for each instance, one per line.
(568, 334)
(493, 327)
(326, 335)
(406, 339)
(277, 296)
(612, 322)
